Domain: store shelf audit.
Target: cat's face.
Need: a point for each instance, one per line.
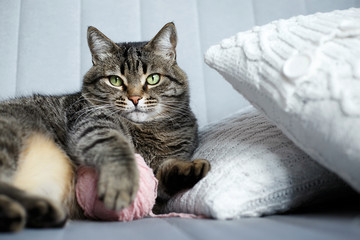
(141, 81)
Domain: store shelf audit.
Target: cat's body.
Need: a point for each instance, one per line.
(134, 100)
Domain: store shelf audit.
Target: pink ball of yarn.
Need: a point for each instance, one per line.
(86, 193)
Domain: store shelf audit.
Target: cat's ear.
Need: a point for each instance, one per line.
(101, 47)
(164, 43)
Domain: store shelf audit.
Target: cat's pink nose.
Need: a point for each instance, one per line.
(135, 99)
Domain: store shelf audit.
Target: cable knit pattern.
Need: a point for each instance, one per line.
(304, 74)
(255, 171)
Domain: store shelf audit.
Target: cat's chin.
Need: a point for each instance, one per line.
(139, 117)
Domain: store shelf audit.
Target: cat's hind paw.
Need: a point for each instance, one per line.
(42, 213)
(12, 215)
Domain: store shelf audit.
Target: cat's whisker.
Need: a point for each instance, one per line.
(116, 111)
(176, 108)
(80, 99)
(183, 114)
(88, 111)
(174, 101)
(179, 109)
(175, 104)
(97, 100)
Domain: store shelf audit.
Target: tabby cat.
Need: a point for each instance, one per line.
(134, 99)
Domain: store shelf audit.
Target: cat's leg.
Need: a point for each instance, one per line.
(175, 175)
(12, 213)
(32, 179)
(19, 209)
(46, 174)
(108, 150)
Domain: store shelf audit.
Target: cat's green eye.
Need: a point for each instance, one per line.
(153, 79)
(115, 81)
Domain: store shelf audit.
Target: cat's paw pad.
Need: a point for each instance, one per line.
(12, 215)
(198, 169)
(42, 213)
(118, 185)
(183, 175)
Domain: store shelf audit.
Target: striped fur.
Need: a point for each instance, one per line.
(103, 126)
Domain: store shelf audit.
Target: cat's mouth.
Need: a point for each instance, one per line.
(139, 115)
(139, 110)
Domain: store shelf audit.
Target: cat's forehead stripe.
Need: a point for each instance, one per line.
(133, 61)
(144, 67)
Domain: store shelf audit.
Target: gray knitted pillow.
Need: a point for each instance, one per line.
(256, 171)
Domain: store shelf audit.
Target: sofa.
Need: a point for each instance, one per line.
(275, 88)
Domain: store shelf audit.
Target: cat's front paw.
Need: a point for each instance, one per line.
(176, 175)
(118, 185)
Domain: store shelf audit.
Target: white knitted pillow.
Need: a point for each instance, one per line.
(304, 74)
(255, 170)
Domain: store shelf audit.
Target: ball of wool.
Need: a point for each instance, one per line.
(86, 193)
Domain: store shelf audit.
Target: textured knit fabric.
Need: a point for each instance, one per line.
(86, 193)
(255, 171)
(304, 74)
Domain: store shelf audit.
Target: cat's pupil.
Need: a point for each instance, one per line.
(115, 80)
(153, 79)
